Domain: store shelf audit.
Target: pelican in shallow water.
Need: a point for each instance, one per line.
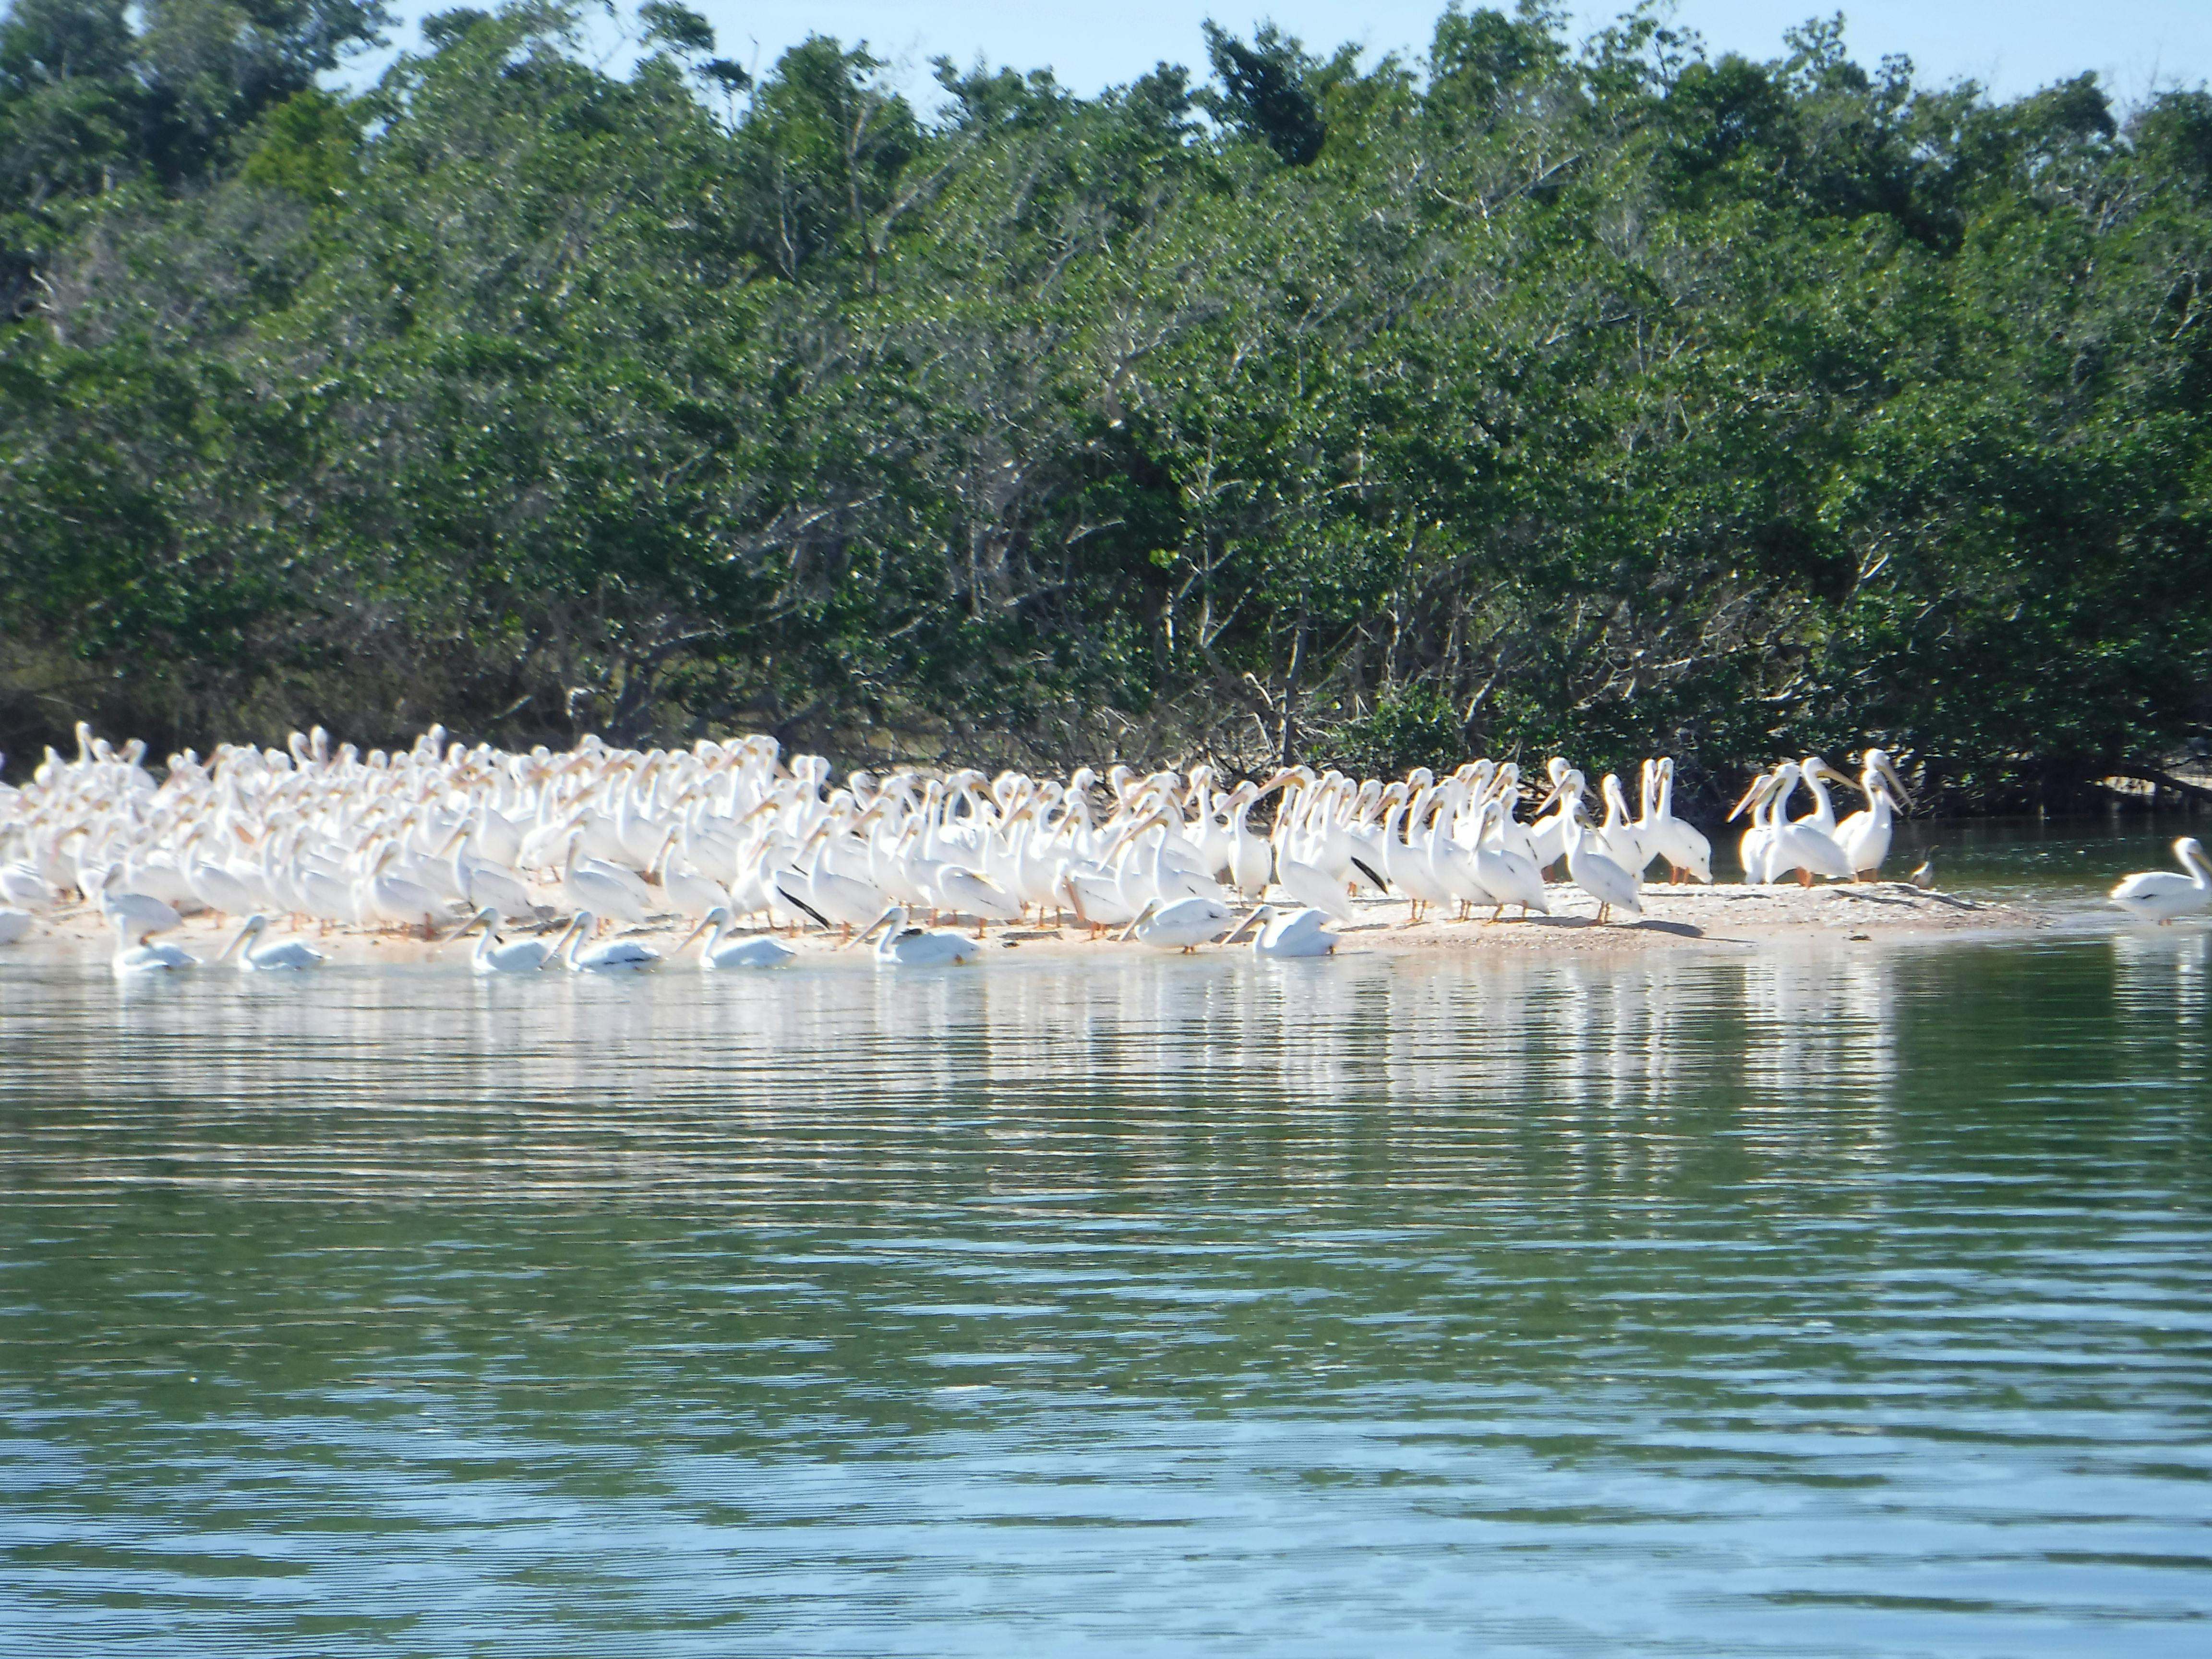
(902, 946)
(1300, 934)
(277, 956)
(521, 956)
(617, 956)
(2162, 896)
(762, 951)
(134, 957)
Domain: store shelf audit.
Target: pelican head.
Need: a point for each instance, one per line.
(1879, 765)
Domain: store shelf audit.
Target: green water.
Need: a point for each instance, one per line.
(1846, 1300)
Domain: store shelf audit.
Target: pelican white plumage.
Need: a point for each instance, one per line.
(131, 959)
(1183, 925)
(1685, 849)
(13, 924)
(686, 891)
(1758, 838)
(1865, 835)
(394, 900)
(902, 946)
(762, 951)
(216, 886)
(2164, 897)
(21, 884)
(522, 956)
(1510, 876)
(1619, 837)
(595, 887)
(964, 893)
(487, 884)
(1601, 877)
(1803, 845)
(277, 956)
(1293, 934)
(142, 912)
(617, 956)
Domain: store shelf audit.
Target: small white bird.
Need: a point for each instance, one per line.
(277, 955)
(760, 952)
(13, 924)
(2164, 897)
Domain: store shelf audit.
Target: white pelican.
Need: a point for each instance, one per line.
(760, 952)
(1601, 877)
(1619, 837)
(522, 956)
(902, 946)
(13, 924)
(1510, 878)
(142, 912)
(1298, 933)
(597, 888)
(1184, 925)
(1757, 840)
(1864, 835)
(130, 959)
(964, 893)
(277, 955)
(1804, 845)
(216, 886)
(1407, 866)
(21, 883)
(617, 956)
(693, 894)
(1251, 860)
(1685, 849)
(2162, 896)
(381, 896)
(488, 886)
(1547, 837)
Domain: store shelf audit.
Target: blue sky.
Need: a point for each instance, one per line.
(2011, 46)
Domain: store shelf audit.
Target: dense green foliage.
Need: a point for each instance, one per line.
(1608, 396)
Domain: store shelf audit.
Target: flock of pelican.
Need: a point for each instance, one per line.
(732, 837)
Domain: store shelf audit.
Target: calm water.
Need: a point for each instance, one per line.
(1854, 1300)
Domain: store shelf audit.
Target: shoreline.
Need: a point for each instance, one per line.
(1675, 918)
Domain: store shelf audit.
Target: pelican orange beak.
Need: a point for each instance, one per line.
(1237, 932)
(1752, 796)
(1889, 772)
(867, 932)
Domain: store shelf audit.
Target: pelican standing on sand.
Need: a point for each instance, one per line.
(1603, 879)
(1864, 836)
(1182, 925)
